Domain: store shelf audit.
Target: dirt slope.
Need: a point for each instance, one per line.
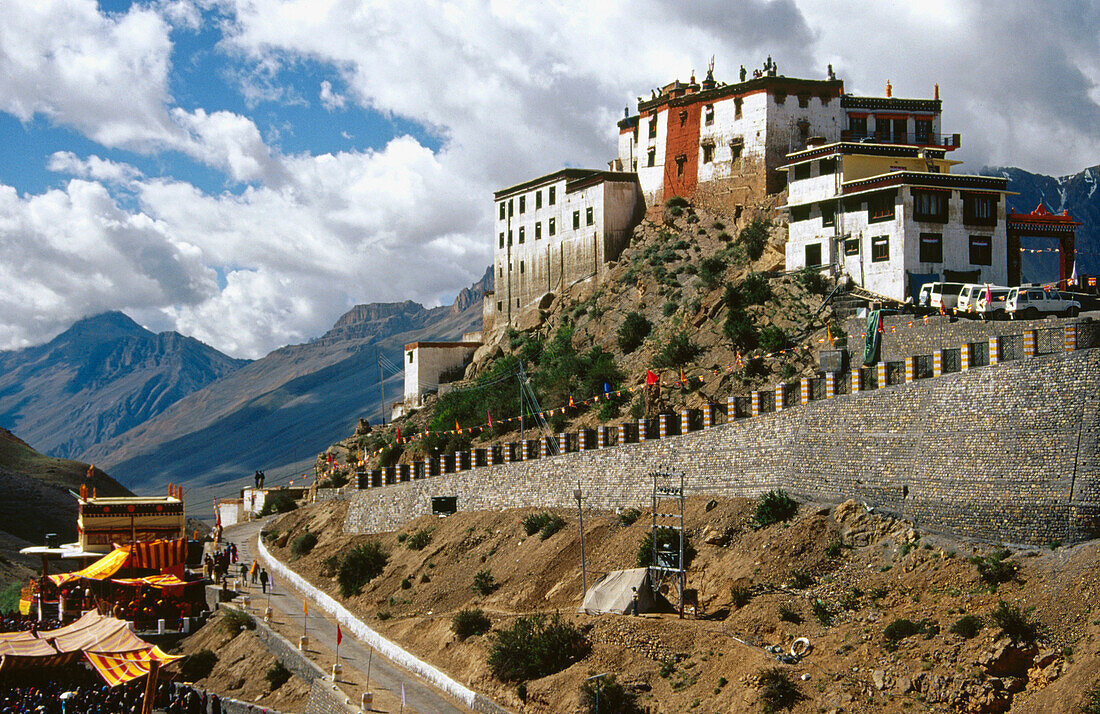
(867, 571)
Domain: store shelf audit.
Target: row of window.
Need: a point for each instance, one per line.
(928, 206)
(551, 227)
(931, 249)
(506, 207)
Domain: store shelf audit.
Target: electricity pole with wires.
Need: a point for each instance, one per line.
(382, 386)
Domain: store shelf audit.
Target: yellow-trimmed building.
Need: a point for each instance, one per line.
(102, 522)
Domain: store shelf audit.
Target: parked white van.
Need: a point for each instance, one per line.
(994, 307)
(968, 297)
(943, 295)
(1028, 303)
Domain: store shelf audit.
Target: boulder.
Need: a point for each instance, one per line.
(1007, 659)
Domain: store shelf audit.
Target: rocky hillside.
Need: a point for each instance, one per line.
(694, 294)
(35, 488)
(897, 620)
(101, 377)
(278, 412)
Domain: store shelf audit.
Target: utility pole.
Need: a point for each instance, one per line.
(382, 386)
(580, 515)
(522, 379)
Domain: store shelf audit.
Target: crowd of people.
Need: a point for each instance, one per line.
(14, 622)
(216, 566)
(73, 690)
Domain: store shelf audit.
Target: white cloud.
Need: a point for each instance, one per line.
(93, 167)
(329, 99)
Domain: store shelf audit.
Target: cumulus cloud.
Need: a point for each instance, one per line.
(92, 167)
(329, 99)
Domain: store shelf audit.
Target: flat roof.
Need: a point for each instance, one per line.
(920, 179)
(441, 345)
(574, 179)
(858, 148)
(128, 500)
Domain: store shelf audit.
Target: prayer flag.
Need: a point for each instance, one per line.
(398, 435)
(305, 607)
(339, 635)
(650, 377)
(490, 415)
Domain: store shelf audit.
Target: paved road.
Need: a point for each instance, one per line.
(386, 677)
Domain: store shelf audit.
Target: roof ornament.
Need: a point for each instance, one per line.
(832, 74)
(744, 73)
(936, 91)
(889, 89)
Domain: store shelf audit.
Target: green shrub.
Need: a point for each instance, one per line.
(420, 539)
(740, 596)
(777, 690)
(967, 626)
(755, 289)
(391, 454)
(338, 479)
(740, 330)
(995, 568)
(822, 612)
(754, 237)
(676, 201)
(330, 565)
(678, 351)
(469, 623)
(668, 308)
(9, 597)
(633, 331)
(555, 524)
(533, 647)
(484, 582)
(773, 507)
(613, 697)
(813, 281)
(901, 628)
(629, 516)
(789, 614)
(668, 539)
(277, 675)
(303, 544)
(1014, 623)
(755, 367)
(234, 621)
(406, 584)
(194, 667)
(834, 548)
(383, 615)
(278, 502)
(711, 271)
(773, 339)
(535, 522)
(359, 566)
(609, 409)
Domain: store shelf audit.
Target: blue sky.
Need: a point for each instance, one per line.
(244, 171)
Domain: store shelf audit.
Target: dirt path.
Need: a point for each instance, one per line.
(386, 678)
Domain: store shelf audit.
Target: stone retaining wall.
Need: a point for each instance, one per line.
(1002, 453)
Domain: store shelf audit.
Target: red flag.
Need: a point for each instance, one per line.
(571, 401)
(398, 435)
(490, 415)
(339, 635)
(650, 378)
(682, 374)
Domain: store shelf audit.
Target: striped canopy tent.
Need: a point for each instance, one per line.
(119, 667)
(92, 634)
(156, 581)
(152, 555)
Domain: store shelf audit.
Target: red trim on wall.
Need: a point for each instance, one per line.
(682, 140)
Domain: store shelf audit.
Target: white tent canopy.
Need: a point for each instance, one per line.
(614, 592)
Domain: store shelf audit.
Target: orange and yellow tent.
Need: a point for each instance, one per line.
(120, 667)
(157, 555)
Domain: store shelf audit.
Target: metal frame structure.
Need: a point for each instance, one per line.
(661, 569)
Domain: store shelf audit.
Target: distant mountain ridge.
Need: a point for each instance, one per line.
(1076, 193)
(98, 379)
(277, 413)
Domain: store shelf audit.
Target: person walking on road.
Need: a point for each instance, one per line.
(263, 580)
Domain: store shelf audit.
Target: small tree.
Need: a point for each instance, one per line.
(469, 623)
(194, 667)
(484, 582)
(359, 566)
(614, 698)
(777, 690)
(633, 331)
(277, 675)
(773, 339)
(754, 237)
(303, 544)
(678, 351)
(1014, 623)
(279, 502)
(533, 647)
(774, 507)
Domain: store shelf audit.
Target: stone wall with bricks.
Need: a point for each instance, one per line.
(1002, 453)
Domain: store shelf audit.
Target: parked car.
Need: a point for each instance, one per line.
(968, 297)
(939, 295)
(992, 308)
(1029, 303)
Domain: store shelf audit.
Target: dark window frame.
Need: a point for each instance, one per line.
(880, 249)
(589, 216)
(538, 200)
(576, 220)
(552, 226)
(538, 230)
(981, 250)
(551, 195)
(930, 248)
(980, 209)
(851, 246)
(801, 171)
(828, 214)
(881, 206)
(810, 247)
(930, 206)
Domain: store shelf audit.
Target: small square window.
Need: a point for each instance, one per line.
(800, 213)
(521, 234)
(828, 214)
(738, 103)
(521, 267)
(576, 220)
(510, 207)
(802, 171)
(550, 193)
(851, 246)
(826, 167)
(880, 249)
(931, 247)
(538, 200)
(708, 114)
(502, 210)
(651, 157)
(880, 207)
(509, 237)
(803, 101)
(653, 127)
(538, 230)
(813, 254)
(589, 219)
(552, 226)
(522, 204)
(981, 250)
(708, 153)
(502, 239)
(500, 305)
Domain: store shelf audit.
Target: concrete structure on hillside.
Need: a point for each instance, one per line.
(892, 217)
(717, 138)
(228, 511)
(430, 365)
(252, 500)
(1041, 223)
(554, 231)
(102, 522)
